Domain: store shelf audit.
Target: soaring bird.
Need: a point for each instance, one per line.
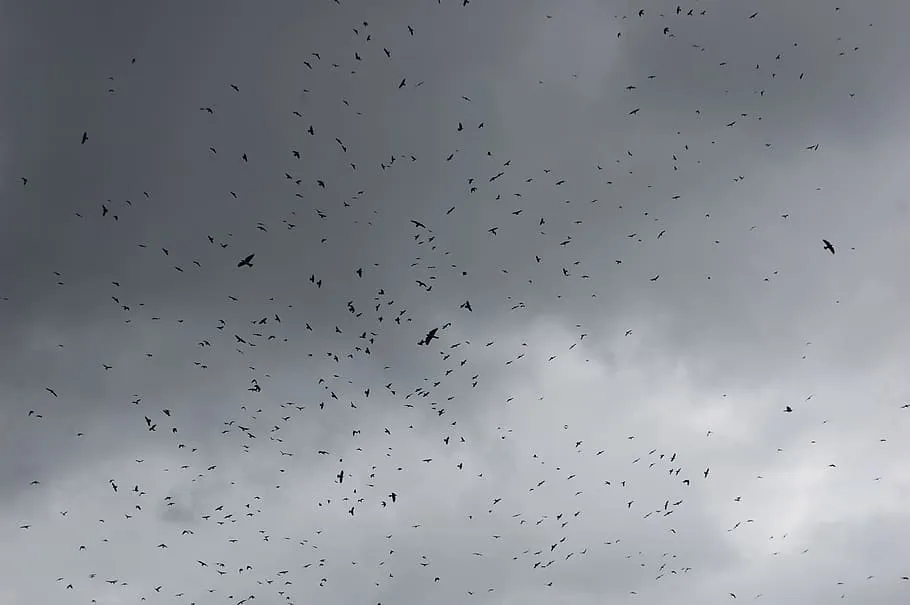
(430, 336)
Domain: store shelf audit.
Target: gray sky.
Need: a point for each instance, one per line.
(649, 293)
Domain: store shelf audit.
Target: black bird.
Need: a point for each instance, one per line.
(430, 336)
(84, 137)
(828, 246)
(246, 262)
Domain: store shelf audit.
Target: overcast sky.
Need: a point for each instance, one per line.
(649, 382)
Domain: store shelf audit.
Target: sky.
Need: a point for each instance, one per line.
(551, 273)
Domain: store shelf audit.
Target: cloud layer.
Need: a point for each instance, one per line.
(665, 388)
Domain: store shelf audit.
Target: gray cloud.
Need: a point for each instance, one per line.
(551, 445)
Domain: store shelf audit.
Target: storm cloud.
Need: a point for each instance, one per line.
(650, 381)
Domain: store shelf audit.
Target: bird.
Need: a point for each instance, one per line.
(828, 246)
(246, 261)
(429, 337)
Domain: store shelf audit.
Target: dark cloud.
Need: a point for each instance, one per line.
(648, 294)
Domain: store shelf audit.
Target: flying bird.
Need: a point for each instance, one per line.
(429, 337)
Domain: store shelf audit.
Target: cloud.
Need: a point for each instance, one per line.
(648, 295)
